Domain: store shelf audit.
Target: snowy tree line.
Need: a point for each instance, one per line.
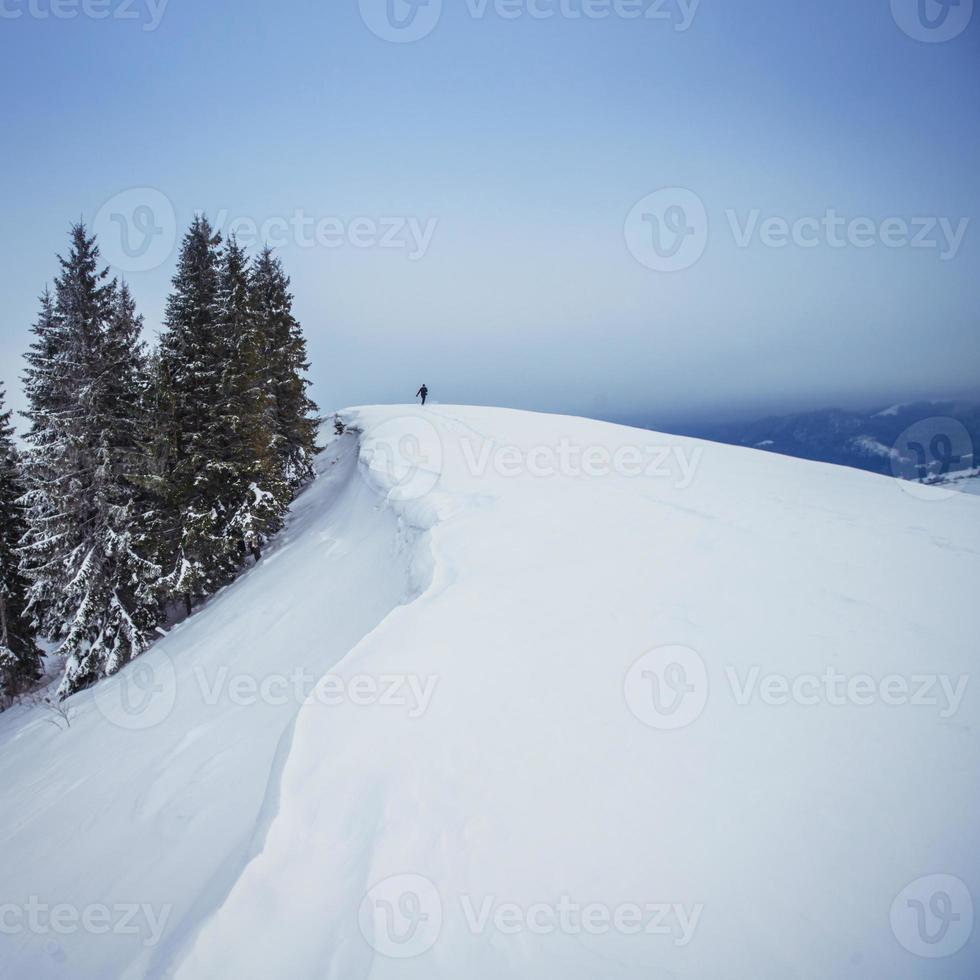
(150, 476)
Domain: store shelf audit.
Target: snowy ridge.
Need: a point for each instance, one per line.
(527, 782)
(484, 599)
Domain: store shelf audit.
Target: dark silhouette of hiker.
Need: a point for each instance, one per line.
(423, 392)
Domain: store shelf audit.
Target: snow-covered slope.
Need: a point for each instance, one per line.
(592, 702)
(159, 792)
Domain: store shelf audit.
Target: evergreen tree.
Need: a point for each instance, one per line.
(113, 592)
(89, 583)
(285, 360)
(234, 456)
(47, 384)
(20, 659)
(259, 495)
(61, 368)
(194, 549)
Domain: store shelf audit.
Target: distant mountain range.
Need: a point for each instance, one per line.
(926, 440)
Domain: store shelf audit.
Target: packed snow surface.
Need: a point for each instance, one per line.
(526, 696)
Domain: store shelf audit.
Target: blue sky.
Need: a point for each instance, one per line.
(498, 161)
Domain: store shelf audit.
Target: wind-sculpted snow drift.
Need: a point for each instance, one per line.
(590, 702)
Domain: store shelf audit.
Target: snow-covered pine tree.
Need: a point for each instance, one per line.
(20, 659)
(195, 553)
(79, 552)
(47, 384)
(285, 366)
(260, 494)
(121, 587)
(61, 368)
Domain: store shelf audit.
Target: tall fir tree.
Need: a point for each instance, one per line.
(20, 659)
(47, 384)
(84, 385)
(284, 356)
(114, 591)
(194, 548)
(61, 368)
(259, 493)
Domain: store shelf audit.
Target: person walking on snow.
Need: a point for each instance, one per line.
(423, 392)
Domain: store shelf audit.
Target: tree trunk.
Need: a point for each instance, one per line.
(4, 640)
